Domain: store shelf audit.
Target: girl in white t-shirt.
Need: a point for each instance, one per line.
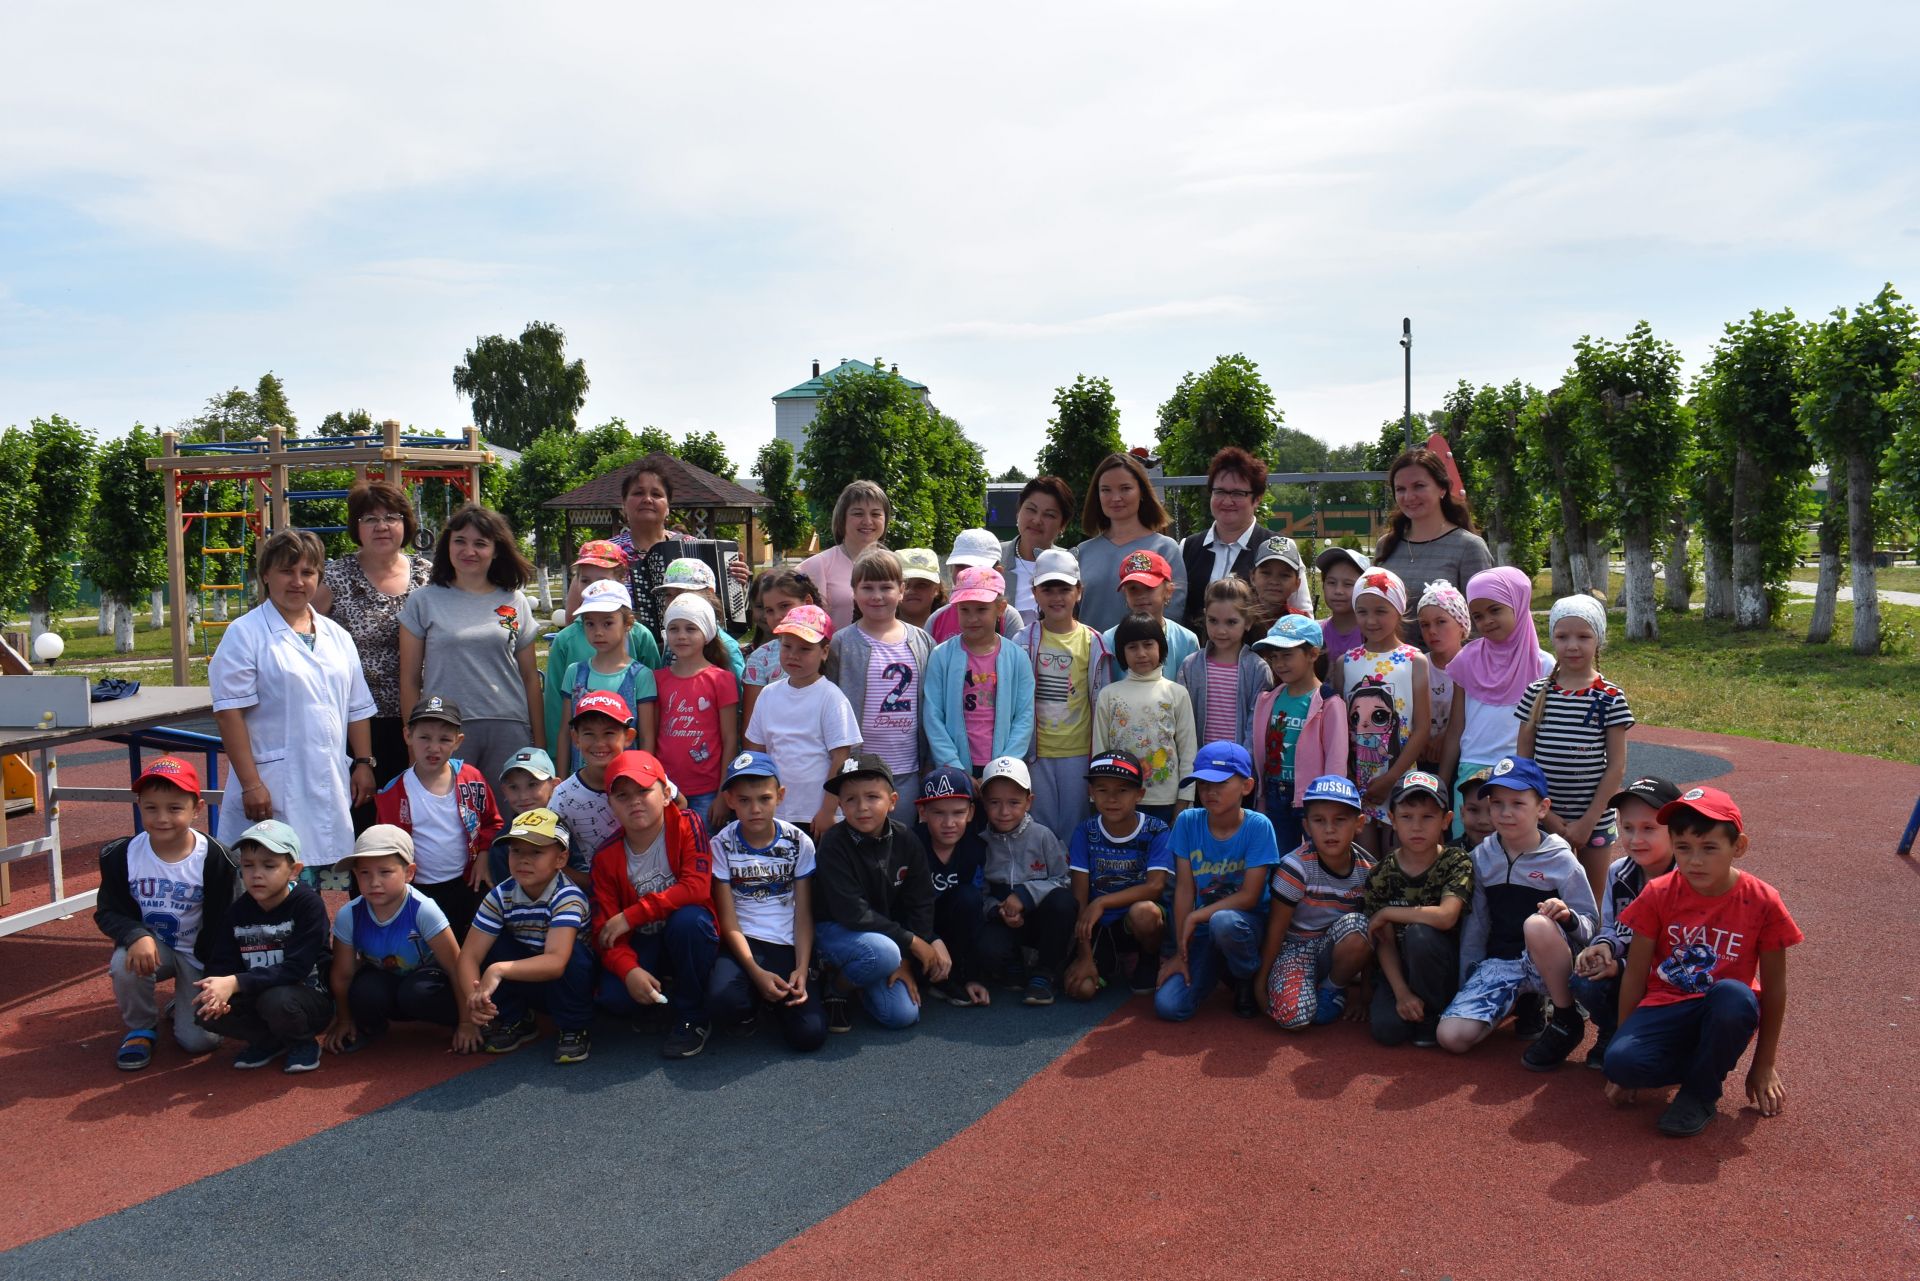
(804, 722)
(1445, 626)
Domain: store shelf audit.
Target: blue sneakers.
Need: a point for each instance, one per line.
(258, 1055)
(1331, 1003)
(302, 1056)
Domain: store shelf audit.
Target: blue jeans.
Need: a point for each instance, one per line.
(1277, 804)
(683, 950)
(1692, 1044)
(701, 804)
(1228, 939)
(1602, 999)
(732, 998)
(866, 959)
(567, 999)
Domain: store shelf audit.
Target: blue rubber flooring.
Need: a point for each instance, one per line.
(623, 1166)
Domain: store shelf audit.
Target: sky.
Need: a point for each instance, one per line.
(994, 197)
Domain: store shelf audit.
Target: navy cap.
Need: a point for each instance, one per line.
(751, 765)
(948, 783)
(1117, 764)
(865, 765)
(1217, 762)
(1417, 782)
(1520, 774)
(1657, 792)
(1336, 788)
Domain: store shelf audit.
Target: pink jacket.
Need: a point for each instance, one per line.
(1320, 749)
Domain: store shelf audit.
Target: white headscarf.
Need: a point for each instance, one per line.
(1583, 607)
(695, 610)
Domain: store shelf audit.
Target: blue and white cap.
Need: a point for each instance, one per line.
(1518, 773)
(1218, 762)
(1290, 631)
(751, 765)
(1335, 788)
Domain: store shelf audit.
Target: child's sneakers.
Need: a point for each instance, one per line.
(258, 1055)
(1245, 1006)
(1039, 991)
(1564, 1031)
(1145, 978)
(839, 1012)
(136, 1049)
(302, 1056)
(1529, 1015)
(573, 1047)
(953, 992)
(1685, 1117)
(1330, 1002)
(505, 1038)
(685, 1041)
(1597, 1057)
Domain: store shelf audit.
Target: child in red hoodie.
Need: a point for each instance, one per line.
(444, 803)
(653, 907)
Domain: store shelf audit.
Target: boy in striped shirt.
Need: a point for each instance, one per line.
(1317, 940)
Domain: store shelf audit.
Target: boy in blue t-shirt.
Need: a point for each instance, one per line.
(1121, 861)
(1221, 853)
(528, 946)
(393, 949)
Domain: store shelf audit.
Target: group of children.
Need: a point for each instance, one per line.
(1326, 820)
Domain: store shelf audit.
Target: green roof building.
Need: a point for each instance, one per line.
(793, 408)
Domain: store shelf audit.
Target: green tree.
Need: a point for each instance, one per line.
(126, 541)
(1626, 398)
(549, 466)
(62, 489)
(1084, 429)
(866, 427)
(270, 402)
(956, 479)
(1012, 476)
(1852, 404)
(1903, 457)
(1711, 484)
(352, 422)
(705, 450)
(1492, 454)
(1229, 404)
(16, 517)
(1747, 400)
(522, 386)
(786, 517)
(1567, 467)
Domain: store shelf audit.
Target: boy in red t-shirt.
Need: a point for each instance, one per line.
(1707, 966)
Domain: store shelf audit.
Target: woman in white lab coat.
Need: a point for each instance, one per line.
(292, 705)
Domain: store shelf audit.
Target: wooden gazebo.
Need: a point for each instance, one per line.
(701, 501)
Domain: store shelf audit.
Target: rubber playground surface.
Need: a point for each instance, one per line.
(1066, 1142)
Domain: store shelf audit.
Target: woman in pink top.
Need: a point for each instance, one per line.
(860, 518)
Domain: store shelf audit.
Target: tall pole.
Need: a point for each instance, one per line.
(1406, 347)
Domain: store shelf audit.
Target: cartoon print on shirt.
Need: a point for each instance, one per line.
(1689, 968)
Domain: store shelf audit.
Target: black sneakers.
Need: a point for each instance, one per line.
(1562, 1035)
(573, 1047)
(1244, 1006)
(685, 1041)
(1685, 1117)
(839, 1012)
(1529, 1015)
(505, 1038)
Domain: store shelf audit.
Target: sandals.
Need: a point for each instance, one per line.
(136, 1050)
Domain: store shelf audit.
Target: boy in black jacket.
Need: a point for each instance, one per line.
(873, 905)
(164, 893)
(263, 970)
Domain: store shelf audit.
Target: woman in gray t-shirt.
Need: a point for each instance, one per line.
(468, 636)
(1122, 515)
(1432, 534)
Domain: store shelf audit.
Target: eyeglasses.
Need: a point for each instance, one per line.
(382, 518)
(1232, 493)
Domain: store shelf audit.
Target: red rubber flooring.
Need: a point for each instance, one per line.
(1229, 1149)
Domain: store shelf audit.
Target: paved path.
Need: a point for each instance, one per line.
(1799, 588)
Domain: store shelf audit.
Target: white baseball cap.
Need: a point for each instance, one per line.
(1007, 767)
(604, 597)
(975, 547)
(1056, 565)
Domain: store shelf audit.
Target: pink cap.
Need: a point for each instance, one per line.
(808, 622)
(976, 583)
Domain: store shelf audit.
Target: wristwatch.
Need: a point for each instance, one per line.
(361, 760)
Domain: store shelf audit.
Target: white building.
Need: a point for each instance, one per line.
(793, 409)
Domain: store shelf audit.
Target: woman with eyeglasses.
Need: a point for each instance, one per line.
(1236, 486)
(363, 593)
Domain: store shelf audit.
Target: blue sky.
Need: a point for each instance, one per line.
(997, 197)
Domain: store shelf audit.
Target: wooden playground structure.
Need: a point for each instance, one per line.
(264, 464)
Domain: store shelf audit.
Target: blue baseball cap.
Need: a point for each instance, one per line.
(948, 783)
(1290, 631)
(1518, 773)
(1218, 762)
(751, 765)
(534, 760)
(1335, 788)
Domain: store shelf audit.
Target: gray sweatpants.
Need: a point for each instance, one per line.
(140, 1004)
(1059, 793)
(489, 743)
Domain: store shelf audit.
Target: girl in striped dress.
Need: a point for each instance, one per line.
(1574, 724)
(1227, 678)
(1379, 603)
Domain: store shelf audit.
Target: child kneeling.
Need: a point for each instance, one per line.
(1122, 862)
(1414, 901)
(763, 903)
(1029, 898)
(1317, 942)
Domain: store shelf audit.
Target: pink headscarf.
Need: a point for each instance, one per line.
(1499, 674)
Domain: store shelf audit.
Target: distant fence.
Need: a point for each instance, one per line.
(1296, 520)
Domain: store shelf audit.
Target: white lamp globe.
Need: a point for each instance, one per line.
(559, 618)
(48, 646)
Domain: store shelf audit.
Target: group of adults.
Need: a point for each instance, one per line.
(398, 623)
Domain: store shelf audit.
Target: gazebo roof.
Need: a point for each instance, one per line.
(692, 487)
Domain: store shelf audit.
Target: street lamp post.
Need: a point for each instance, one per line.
(1406, 347)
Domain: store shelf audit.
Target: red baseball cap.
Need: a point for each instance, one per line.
(602, 703)
(1150, 568)
(1709, 802)
(642, 767)
(171, 769)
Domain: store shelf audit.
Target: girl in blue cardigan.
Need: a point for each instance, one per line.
(979, 689)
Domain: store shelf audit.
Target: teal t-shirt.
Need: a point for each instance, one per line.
(1283, 732)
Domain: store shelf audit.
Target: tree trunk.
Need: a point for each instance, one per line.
(1719, 576)
(1599, 571)
(1866, 598)
(157, 609)
(1574, 523)
(1562, 571)
(36, 622)
(105, 625)
(220, 606)
(1638, 539)
(123, 628)
(540, 569)
(1820, 628)
(1749, 592)
(1679, 574)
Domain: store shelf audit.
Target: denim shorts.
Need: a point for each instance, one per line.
(1489, 992)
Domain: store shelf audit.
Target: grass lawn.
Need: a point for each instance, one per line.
(1771, 684)
(1901, 578)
